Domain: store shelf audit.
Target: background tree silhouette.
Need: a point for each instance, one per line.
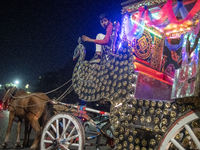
(55, 79)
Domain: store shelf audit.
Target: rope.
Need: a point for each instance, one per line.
(65, 93)
(58, 87)
(33, 94)
(29, 105)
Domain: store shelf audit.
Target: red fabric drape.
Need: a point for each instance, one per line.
(167, 13)
(162, 15)
(172, 17)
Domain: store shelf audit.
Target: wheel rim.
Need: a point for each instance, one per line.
(182, 124)
(62, 131)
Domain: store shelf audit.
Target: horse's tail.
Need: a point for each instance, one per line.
(47, 114)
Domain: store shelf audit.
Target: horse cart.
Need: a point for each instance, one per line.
(150, 76)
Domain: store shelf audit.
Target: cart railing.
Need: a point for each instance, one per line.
(82, 108)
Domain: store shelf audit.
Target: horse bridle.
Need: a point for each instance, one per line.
(6, 98)
(8, 95)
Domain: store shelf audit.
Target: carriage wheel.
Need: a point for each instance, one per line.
(63, 131)
(183, 134)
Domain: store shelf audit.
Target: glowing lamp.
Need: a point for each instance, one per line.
(16, 82)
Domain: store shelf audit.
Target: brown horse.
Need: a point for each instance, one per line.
(27, 130)
(31, 108)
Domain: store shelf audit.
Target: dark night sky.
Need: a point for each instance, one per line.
(38, 36)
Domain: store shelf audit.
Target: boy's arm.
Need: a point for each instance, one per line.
(87, 39)
(107, 36)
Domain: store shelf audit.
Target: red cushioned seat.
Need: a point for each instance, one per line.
(154, 73)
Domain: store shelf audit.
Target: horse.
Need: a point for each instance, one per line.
(34, 108)
(27, 131)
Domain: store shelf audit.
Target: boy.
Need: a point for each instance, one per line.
(101, 39)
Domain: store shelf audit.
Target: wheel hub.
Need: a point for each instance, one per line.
(55, 143)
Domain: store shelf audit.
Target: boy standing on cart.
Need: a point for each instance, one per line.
(101, 39)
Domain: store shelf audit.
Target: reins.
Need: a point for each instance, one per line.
(33, 94)
(30, 105)
(37, 95)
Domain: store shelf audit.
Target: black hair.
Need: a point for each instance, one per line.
(104, 15)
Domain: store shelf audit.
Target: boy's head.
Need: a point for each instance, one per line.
(104, 20)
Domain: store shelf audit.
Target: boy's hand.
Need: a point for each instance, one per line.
(85, 38)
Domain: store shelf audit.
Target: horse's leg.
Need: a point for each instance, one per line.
(36, 126)
(11, 118)
(18, 144)
(27, 133)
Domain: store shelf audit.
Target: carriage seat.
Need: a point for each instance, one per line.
(151, 84)
(154, 73)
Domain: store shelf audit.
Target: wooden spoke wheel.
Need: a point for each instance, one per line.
(183, 134)
(63, 131)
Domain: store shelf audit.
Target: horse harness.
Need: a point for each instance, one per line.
(9, 99)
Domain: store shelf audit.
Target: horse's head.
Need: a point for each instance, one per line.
(7, 96)
(79, 50)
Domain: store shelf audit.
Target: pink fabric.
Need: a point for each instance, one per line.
(167, 13)
(172, 17)
(107, 36)
(162, 15)
(141, 9)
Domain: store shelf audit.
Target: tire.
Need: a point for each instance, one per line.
(87, 128)
(186, 126)
(63, 131)
(108, 130)
(108, 137)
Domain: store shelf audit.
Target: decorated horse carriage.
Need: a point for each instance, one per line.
(150, 75)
